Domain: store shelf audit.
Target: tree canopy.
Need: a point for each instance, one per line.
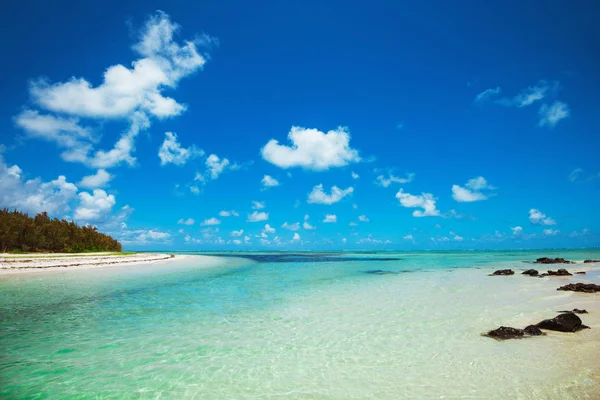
(20, 232)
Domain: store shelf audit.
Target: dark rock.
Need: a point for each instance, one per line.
(591, 261)
(546, 260)
(380, 272)
(560, 272)
(506, 332)
(533, 330)
(563, 323)
(575, 311)
(581, 287)
(580, 273)
(530, 272)
(503, 272)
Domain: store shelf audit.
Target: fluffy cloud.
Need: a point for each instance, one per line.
(408, 237)
(329, 218)
(258, 205)
(538, 218)
(487, 94)
(384, 181)
(551, 232)
(318, 196)
(268, 229)
(296, 237)
(215, 166)
(516, 230)
(210, 221)
(551, 114)
(258, 216)
(34, 195)
(312, 149)
(132, 94)
(188, 221)
(237, 233)
(98, 180)
(472, 191)
(355, 175)
(292, 227)
(144, 236)
(306, 225)
(268, 181)
(94, 207)
(171, 151)
(426, 201)
(225, 213)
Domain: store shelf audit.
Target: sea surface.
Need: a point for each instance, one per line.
(370, 325)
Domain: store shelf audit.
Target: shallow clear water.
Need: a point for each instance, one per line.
(306, 326)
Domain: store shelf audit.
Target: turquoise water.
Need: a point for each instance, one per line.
(309, 325)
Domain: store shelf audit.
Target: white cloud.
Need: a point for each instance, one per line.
(344, 240)
(258, 216)
(473, 190)
(329, 218)
(258, 205)
(487, 94)
(355, 175)
(98, 180)
(352, 223)
(130, 94)
(34, 196)
(95, 206)
(237, 241)
(296, 237)
(551, 232)
(550, 115)
(188, 221)
(583, 232)
(143, 236)
(408, 237)
(306, 225)
(363, 218)
(384, 181)
(171, 151)
(312, 149)
(268, 181)
(574, 175)
(215, 166)
(292, 227)
(195, 189)
(318, 196)
(210, 221)
(426, 201)
(237, 233)
(225, 213)
(268, 229)
(537, 217)
(516, 230)
(535, 93)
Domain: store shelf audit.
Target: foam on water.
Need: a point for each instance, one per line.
(303, 329)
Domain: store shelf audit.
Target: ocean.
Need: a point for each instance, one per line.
(365, 325)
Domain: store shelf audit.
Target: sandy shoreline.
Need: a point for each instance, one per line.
(17, 264)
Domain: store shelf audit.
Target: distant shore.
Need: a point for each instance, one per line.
(38, 262)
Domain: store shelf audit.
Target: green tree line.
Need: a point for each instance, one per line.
(20, 232)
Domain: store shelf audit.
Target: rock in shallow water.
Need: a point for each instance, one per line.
(530, 272)
(380, 272)
(506, 332)
(590, 261)
(533, 330)
(575, 311)
(563, 323)
(503, 272)
(581, 287)
(559, 272)
(546, 260)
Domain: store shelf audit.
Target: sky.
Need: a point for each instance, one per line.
(233, 125)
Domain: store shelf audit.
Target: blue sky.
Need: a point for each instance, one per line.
(306, 125)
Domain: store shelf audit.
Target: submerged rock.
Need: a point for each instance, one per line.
(503, 272)
(568, 322)
(575, 311)
(506, 332)
(530, 272)
(559, 272)
(591, 261)
(546, 260)
(580, 273)
(380, 272)
(581, 287)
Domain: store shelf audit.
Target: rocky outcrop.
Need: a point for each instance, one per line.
(533, 330)
(581, 287)
(506, 332)
(546, 260)
(568, 322)
(503, 272)
(530, 272)
(575, 311)
(580, 273)
(590, 261)
(559, 272)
